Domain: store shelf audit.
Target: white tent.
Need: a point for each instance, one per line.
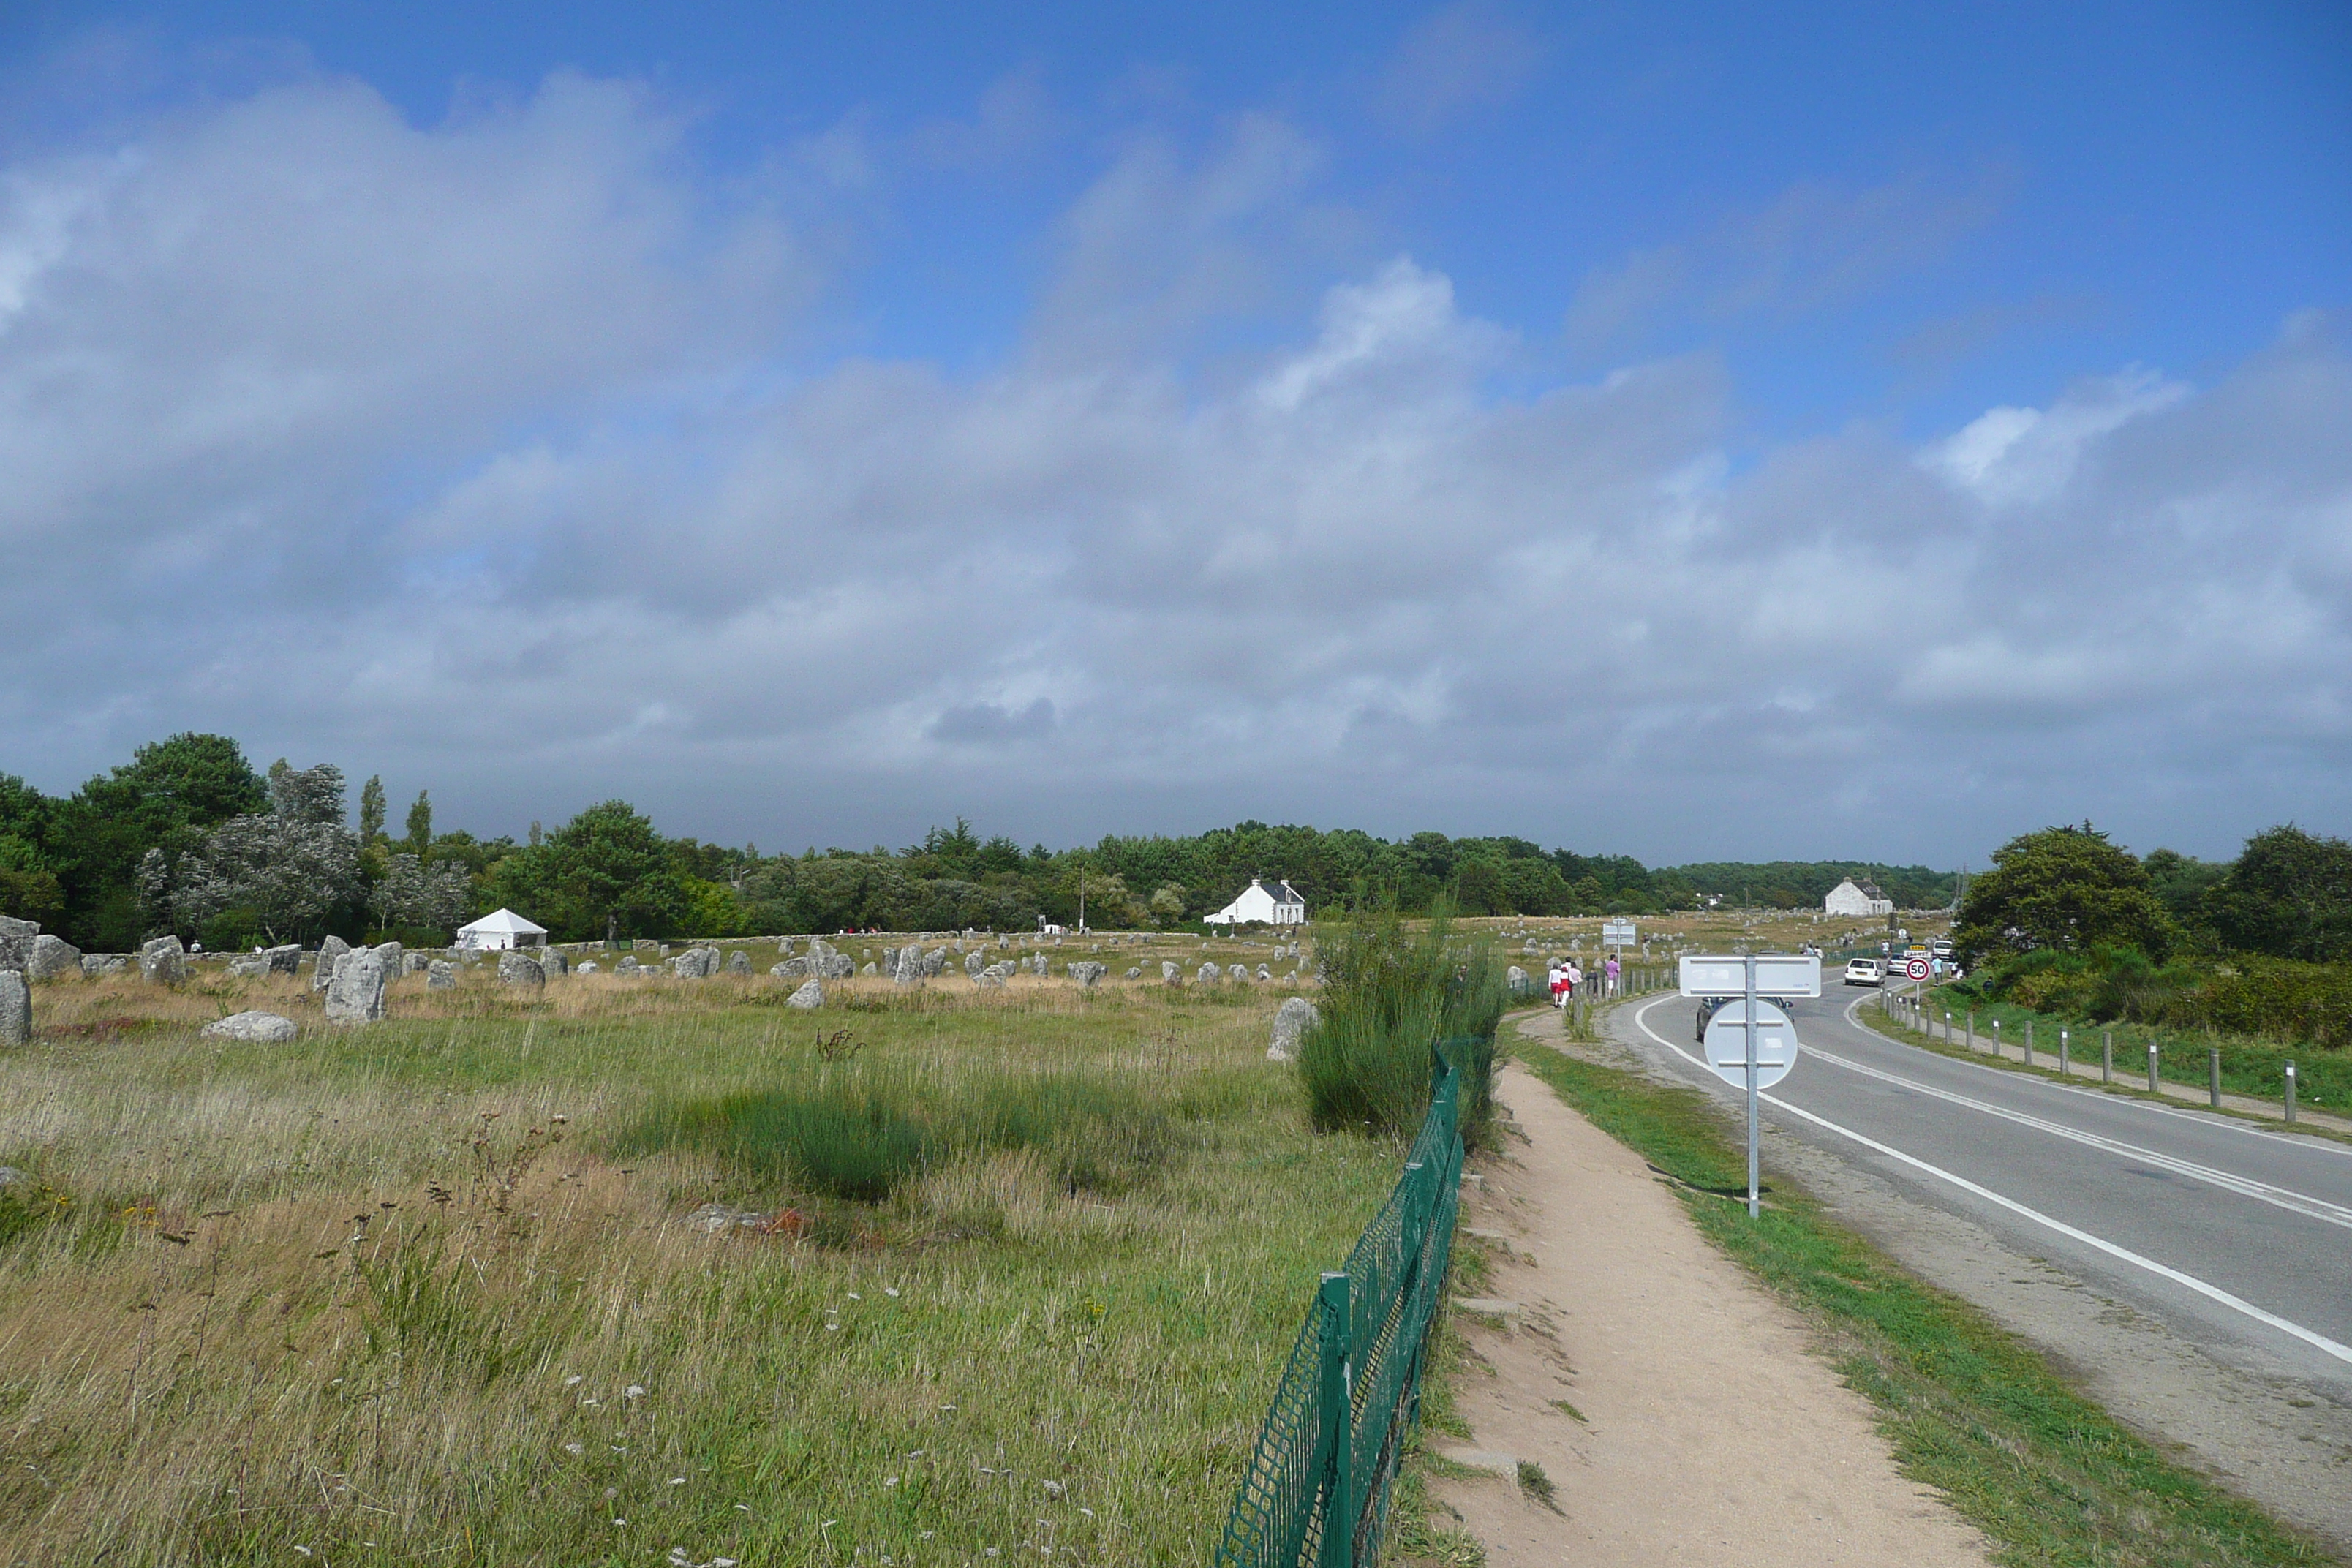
(500, 930)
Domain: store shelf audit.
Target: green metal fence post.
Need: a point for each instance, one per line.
(1334, 1409)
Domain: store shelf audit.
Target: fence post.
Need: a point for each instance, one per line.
(2290, 1093)
(2107, 1056)
(2154, 1085)
(2213, 1076)
(1333, 1411)
(2065, 1053)
(2029, 1042)
(1972, 1031)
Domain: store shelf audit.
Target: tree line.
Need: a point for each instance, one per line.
(2068, 921)
(189, 836)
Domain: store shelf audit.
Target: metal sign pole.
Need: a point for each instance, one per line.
(1751, 1086)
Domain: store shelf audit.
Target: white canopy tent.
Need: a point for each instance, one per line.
(500, 930)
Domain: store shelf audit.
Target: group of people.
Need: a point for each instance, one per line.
(1566, 977)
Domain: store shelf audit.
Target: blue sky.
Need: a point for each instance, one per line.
(1086, 420)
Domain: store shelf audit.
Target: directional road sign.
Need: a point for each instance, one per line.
(1776, 974)
(1726, 1044)
(1617, 933)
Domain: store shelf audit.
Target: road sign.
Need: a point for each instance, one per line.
(1776, 974)
(1917, 969)
(1726, 1044)
(1617, 933)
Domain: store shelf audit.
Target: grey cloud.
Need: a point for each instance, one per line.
(1344, 580)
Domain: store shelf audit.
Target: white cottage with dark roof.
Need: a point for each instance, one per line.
(1279, 905)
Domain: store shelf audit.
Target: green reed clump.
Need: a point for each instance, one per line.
(1390, 994)
(861, 1132)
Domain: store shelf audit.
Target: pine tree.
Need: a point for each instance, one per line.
(420, 824)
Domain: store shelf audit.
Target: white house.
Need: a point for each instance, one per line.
(1853, 898)
(500, 930)
(1281, 907)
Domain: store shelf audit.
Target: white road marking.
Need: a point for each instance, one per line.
(2202, 1117)
(2187, 1281)
(2244, 1186)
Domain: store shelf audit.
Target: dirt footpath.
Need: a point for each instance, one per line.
(1707, 1433)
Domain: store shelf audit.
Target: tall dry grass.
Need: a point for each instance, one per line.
(364, 1295)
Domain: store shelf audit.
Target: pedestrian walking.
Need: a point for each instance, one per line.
(1611, 967)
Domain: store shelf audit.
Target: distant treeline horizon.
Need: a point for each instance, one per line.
(188, 837)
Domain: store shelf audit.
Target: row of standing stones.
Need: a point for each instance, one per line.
(354, 978)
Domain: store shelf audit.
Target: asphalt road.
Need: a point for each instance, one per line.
(2237, 1239)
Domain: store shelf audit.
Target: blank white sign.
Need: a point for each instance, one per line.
(1776, 974)
(1726, 1044)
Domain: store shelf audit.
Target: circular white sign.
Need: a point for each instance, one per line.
(1726, 1044)
(1917, 969)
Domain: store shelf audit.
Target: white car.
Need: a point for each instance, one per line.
(1863, 972)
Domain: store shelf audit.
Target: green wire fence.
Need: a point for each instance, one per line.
(1316, 1490)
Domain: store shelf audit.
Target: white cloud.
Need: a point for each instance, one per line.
(471, 454)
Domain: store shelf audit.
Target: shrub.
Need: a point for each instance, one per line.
(1390, 994)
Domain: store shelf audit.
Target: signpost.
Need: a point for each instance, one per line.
(1750, 978)
(1616, 934)
(1917, 969)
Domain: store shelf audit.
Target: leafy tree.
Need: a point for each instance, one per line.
(29, 888)
(605, 870)
(2181, 881)
(2063, 888)
(280, 873)
(414, 895)
(371, 811)
(2289, 895)
(170, 795)
(420, 825)
(1168, 904)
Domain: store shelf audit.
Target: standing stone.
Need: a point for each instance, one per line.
(809, 997)
(869, 969)
(163, 961)
(1134, 973)
(50, 957)
(269, 1026)
(284, 959)
(739, 963)
(520, 969)
(975, 961)
(1170, 972)
(16, 942)
(934, 962)
(1263, 973)
(98, 963)
(330, 953)
(551, 963)
(1211, 974)
(245, 966)
(909, 968)
(15, 1008)
(1515, 979)
(416, 962)
(1087, 972)
(389, 955)
(440, 975)
(356, 995)
(1292, 1019)
(783, 949)
(628, 965)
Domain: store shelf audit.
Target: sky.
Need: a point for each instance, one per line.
(1696, 432)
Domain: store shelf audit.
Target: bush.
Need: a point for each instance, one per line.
(2271, 998)
(1389, 995)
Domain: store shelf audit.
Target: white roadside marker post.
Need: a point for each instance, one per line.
(2290, 1094)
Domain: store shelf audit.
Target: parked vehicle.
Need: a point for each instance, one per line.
(1865, 972)
(1707, 1008)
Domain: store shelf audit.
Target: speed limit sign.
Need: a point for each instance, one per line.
(1917, 969)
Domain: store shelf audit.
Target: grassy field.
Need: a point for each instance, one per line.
(426, 1290)
(1971, 1411)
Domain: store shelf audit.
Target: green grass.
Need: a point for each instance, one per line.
(2248, 1067)
(1971, 1411)
(1073, 1310)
